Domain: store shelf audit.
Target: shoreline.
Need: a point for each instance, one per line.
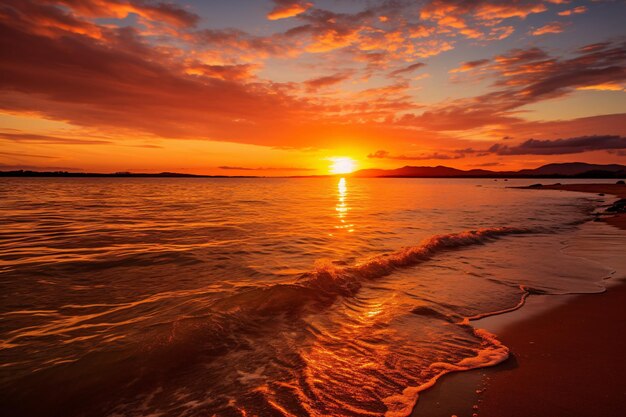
(553, 369)
(617, 219)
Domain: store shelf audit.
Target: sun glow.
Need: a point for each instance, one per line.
(343, 165)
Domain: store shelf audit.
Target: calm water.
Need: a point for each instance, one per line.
(270, 297)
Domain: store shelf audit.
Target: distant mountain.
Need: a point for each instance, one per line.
(409, 171)
(572, 169)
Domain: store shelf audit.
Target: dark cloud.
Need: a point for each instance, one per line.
(326, 81)
(19, 167)
(525, 76)
(470, 65)
(532, 74)
(235, 168)
(147, 146)
(155, 11)
(407, 69)
(226, 167)
(235, 41)
(456, 154)
(562, 146)
(47, 139)
(26, 155)
(488, 164)
(234, 72)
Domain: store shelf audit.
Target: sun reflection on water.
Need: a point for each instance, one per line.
(342, 206)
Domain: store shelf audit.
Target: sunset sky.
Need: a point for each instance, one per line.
(286, 87)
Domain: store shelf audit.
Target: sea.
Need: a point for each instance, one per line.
(333, 296)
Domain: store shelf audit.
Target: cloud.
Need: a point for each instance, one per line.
(456, 154)
(575, 10)
(315, 84)
(562, 146)
(479, 19)
(224, 43)
(233, 72)
(226, 167)
(470, 65)
(52, 140)
(26, 155)
(525, 76)
(160, 12)
(123, 82)
(604, 125)
(147, 146)
(550, 28)
(21, 167)
(236, 168)
(407, 69)
(288, 8)
(488, 164)
(603, 87)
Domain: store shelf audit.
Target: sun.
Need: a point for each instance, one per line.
(342, 165)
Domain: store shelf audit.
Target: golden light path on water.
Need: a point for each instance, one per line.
(342, 207)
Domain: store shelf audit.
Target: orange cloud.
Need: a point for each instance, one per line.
(420, 31)
(222, 72)
(603, 87)
(228, 42)
(475, 20)
(288, 8)
(406, 70)
(470, 65)
(432, 47)
(161, 12)
(575, 10)
(47, 20)
(326, 81)
(552, 27)
(332, 39)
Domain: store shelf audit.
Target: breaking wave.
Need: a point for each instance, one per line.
(328, 281)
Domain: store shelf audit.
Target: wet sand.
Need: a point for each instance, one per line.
(566, 354)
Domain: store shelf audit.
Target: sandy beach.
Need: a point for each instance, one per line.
(564, 358)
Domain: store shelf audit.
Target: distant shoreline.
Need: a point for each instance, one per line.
(615, 217)
(63, 174)
(494, 175)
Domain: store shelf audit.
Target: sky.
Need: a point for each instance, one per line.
(289, 87)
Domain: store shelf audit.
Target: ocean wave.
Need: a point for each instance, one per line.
(346, 280)
(329, 280)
